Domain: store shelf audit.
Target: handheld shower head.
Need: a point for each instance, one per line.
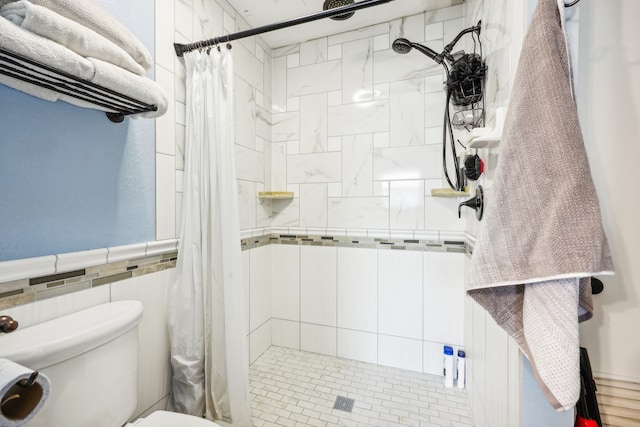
(403, 46)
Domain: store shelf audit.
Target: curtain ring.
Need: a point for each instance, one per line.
(571, 3)
(229, 46)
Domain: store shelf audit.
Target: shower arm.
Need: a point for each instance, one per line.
(446, 52)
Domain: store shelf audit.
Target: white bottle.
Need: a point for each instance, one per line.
(461, 368)
(448, 366)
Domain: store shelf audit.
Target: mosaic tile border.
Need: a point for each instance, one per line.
(24, 291)
(356, 242)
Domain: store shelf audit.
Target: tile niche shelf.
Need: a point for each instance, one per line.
(275, 195)
(449, 192)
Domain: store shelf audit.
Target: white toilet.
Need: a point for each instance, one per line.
(91, 359)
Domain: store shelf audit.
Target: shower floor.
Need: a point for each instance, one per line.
(295, 388)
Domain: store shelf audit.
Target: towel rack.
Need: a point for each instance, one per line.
(30, 71)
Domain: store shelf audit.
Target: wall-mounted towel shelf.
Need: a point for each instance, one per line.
(488, 137)
(29, 71)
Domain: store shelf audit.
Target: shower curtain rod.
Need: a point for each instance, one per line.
(182, 48)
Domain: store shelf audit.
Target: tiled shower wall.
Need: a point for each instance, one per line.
(379, 305)
(357, 132)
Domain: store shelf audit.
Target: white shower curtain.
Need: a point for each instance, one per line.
(208, 342)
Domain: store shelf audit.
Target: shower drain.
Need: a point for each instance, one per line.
(343, 404)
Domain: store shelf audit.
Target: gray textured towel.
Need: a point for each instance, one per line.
(542, 235)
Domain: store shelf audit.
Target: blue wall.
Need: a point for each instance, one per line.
(71, 180)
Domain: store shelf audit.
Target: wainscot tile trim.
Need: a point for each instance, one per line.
(32, 279)
(28, 280)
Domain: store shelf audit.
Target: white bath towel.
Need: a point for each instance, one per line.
(68, 33)
(92, 15)
(42, 50)
(542, 239)
(137, 87)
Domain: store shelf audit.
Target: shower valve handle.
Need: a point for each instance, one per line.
(476, 203)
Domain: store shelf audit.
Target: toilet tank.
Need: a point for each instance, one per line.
(91, 359)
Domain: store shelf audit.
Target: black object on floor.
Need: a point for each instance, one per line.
(587, 406)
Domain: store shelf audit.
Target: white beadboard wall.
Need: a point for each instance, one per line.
(391, 307)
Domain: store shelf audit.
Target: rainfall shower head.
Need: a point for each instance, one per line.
(332, 4)
(403, 46)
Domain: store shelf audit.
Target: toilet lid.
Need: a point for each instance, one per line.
(174, 419)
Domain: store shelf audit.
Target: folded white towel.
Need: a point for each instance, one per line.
(137, 87)
(68, 33)
(42, 50)
(92, 15)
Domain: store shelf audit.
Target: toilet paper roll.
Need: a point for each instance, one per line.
(20, 402)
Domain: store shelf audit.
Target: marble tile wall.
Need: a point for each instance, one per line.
(357, 132)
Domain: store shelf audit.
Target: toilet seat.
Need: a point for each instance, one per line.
(172, 419)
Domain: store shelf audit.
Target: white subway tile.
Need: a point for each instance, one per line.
(260, 289)
(361, 117)
(444, 293)
(318, 339)
(407, 205)
(335, 190)
(313, 51)
(313, 205)
(334, 52)
(358, 212)
(381, 42)
(165, 124)
(249, 163)
(356, 345)
(400, 293)
(245, 108)
(310, 168)
(259, 341)
(318, 266)
(407, 113)
(286, 126)
(165, 197)
(362, 33)
(247, 204)
(357, 71)
(357, 289)
(293, 60)
(409, 27)
(285, 333)
(417, 162)
(316, 78)
(313, 123)
(441, 213)
(357, 165)
(285, 297)
(401, 353)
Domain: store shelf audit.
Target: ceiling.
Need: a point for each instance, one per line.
(264, 12)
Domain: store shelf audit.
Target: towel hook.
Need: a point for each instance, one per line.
(571, 3)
